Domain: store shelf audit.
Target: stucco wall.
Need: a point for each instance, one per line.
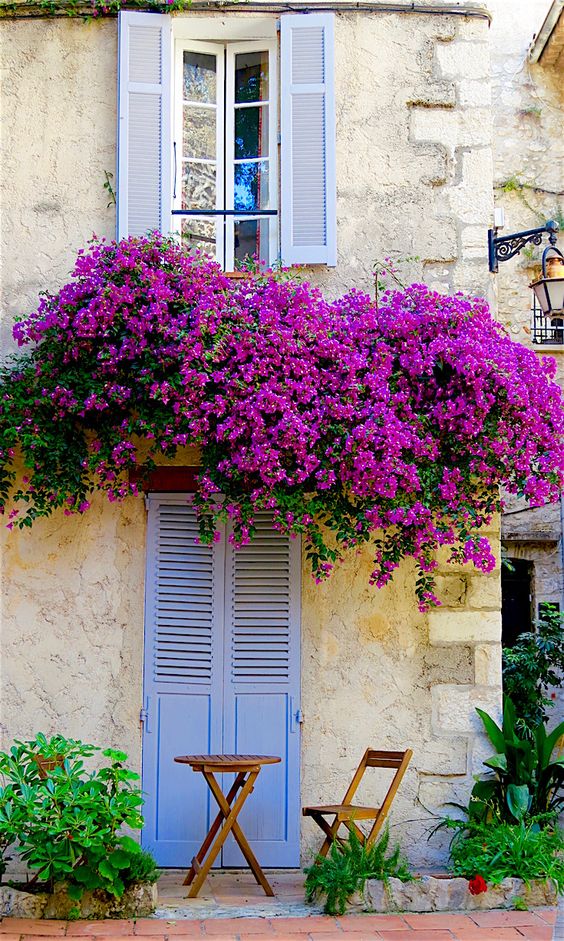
(414, 178)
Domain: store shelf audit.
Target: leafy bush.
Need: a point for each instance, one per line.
(526, 779)
(497, 850)
(393, 425)
(347, 867)
(142, 869)
(65, 822)
(535, 662)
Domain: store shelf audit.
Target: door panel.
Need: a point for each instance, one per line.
(262, 687)
(222, 675)
(182, 678)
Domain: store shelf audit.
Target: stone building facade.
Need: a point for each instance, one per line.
(414, 178)
(527, 38)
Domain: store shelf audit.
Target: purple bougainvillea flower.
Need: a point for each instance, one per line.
(395, 425)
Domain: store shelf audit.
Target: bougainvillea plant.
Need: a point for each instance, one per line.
(394, 425)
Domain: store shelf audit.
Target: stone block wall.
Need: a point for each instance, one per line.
(390, 677)
(528, 149)
(414, 178)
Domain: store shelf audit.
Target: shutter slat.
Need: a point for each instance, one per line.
(308, 179)
(144, 134)
(184, 600)
(259, 613)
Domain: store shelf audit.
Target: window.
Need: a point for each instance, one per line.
(226, 179)
(198, 144)
(545, 329)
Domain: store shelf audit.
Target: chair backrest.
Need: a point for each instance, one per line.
(381, 759)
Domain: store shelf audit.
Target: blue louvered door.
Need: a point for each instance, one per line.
(221, 675)
(261, 688)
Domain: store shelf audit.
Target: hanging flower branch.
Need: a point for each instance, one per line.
(394, 425)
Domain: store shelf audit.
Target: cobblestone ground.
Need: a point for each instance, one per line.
(478, 926)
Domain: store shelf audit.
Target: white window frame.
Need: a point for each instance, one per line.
(225, 52)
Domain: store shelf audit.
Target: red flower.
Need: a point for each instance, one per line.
(477, 885)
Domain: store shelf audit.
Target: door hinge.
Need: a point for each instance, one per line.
(144, 715)
(296, 717)
(147, 503)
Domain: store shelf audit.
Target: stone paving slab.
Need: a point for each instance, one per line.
(470, 926)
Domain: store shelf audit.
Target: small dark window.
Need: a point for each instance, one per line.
(516, 600)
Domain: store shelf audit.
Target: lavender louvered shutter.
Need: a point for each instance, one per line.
(144, 183)
(307, 123)
(184, 607)
(262, 687)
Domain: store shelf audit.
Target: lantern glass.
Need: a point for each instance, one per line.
(549, 293)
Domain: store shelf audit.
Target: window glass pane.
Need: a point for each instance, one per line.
(251, 241)
(251, 132)
(251, 76)
(199, 234)
(198, 186)
(251, 185)
(199, 138)
(200, 79)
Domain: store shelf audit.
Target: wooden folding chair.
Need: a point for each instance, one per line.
(348, 813)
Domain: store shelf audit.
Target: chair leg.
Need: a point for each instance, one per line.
(377, 826)
(330, 831)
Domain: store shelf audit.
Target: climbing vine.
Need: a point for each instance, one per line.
(393, 425)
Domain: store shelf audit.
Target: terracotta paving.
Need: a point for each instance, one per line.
(231, 907)
(475, 926)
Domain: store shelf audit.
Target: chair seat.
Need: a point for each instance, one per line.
(343, 811)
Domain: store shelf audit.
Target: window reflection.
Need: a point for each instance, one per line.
(199, 186)
(251, 76)
(251, 132)
(199, 132)
(199, 234)
(200, 78)
(251, 240)
(251, 185)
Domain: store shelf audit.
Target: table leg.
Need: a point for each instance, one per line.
(238, 833)
(230, 818)
(200, 855)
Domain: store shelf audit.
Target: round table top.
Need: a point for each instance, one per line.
(226, 762)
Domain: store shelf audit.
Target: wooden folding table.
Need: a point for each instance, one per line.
(246, 768)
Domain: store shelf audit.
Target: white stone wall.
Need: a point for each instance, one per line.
(414, 168)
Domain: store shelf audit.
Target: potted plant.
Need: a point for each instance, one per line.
(66, 824)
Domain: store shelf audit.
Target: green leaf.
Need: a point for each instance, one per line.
(493, 730)
(131, 846)
(75, 892)
(120, 859)
(518, 800)
(106, 869)
(497, 762)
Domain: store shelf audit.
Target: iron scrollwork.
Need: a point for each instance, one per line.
(504, 247)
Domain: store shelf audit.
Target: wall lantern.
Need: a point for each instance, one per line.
(549, 289)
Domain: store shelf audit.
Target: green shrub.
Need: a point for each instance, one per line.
(497, 850)
(65, 822)
(142, 869)
(533, 664)
(347, 867)
(526, 780)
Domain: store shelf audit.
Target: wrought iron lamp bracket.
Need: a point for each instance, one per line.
(504, 247)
